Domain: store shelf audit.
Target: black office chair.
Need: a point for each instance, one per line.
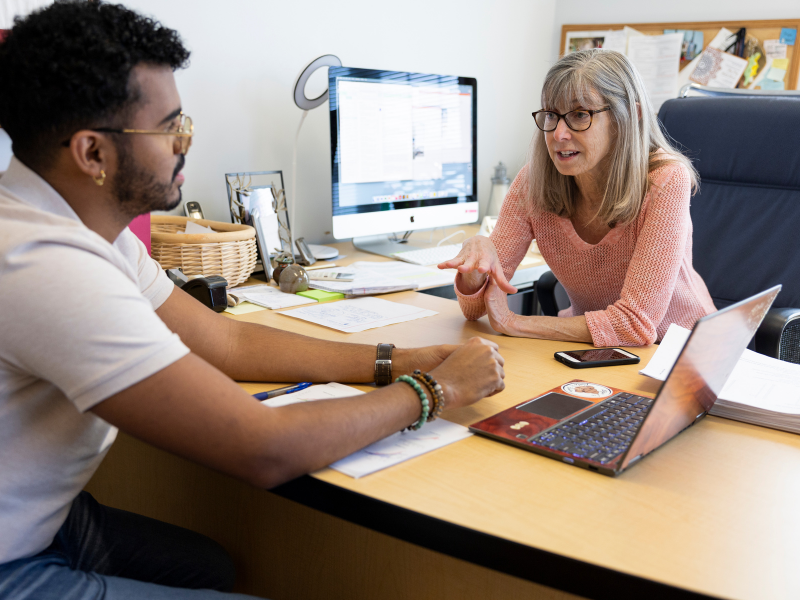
(746, 216)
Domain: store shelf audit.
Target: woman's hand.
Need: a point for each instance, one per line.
(477, 259)
(472, 372)
(501, 318)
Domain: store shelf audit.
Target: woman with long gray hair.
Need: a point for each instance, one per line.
(606, 196)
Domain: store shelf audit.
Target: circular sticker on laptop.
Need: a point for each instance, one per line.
(583, 389)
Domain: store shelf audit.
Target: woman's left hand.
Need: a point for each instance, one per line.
(501, 318)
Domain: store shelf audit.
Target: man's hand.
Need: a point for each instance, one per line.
(472, 372)
(405, 360)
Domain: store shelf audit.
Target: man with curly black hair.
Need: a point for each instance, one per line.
(99, 338)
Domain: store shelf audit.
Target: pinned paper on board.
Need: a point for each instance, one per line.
(788, 36)
(718, 69)
(774, 49)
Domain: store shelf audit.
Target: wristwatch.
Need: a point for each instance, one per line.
(383, 364)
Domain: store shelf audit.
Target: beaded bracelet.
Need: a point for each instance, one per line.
(423, 398)
(437, 404)
(438, 393)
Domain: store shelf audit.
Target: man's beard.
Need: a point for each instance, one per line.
(137, 189)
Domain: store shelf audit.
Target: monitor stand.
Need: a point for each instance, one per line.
(383, 245)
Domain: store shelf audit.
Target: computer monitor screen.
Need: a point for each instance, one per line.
(403, 151)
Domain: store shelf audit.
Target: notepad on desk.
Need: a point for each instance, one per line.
(268, 297)
(761, 390)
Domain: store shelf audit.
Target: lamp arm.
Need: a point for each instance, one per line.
(293, 204)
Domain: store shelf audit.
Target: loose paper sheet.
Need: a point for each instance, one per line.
(657, 58)
(667, 353)
(401, 446)
(389, 451)
(360, 314)
(328, 391)
(193, 228)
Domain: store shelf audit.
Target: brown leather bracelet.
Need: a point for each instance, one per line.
(383, 364)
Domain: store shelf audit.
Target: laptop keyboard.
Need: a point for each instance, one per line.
(601, 433)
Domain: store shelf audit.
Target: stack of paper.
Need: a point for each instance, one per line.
(761, 390)
(365, 282)
(268, 297)
(361, 314)
(422, 277)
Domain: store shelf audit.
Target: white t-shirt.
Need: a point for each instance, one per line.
(77, 325)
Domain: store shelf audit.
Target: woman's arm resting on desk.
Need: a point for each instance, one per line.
(502, 320)
(194, 410)
(252, 352)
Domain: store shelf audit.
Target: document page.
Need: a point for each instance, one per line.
(360, 314)
(401, 446)
(667, 353)
(657, 57)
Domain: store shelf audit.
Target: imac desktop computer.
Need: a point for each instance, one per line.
(403, 155)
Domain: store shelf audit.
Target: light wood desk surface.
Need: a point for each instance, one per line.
(712, 512)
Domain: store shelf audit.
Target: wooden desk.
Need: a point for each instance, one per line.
(712, 512)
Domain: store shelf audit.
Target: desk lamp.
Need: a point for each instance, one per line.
(306, 104)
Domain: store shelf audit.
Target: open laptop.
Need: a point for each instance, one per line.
(606, 429)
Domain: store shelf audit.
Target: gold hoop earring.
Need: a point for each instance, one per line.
(100, 180)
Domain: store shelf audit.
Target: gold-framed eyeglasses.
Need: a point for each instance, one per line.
(579, 119)
(183, 133)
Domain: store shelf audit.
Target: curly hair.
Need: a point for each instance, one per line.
(67, 67)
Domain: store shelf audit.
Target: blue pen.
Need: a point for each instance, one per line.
(289, 389)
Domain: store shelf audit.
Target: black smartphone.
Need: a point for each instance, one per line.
(599, 357)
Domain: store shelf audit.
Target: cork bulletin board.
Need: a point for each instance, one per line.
(762, 30)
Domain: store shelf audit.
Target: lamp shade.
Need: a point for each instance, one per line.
(329, 60)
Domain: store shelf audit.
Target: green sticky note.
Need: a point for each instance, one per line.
(321, 296)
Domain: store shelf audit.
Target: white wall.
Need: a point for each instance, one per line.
(246, 55)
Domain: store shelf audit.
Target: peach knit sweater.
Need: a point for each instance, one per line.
(632, 284)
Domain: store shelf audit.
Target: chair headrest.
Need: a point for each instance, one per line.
(751, 141)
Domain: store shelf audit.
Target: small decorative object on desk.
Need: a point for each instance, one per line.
(293, 279)
(282, 261)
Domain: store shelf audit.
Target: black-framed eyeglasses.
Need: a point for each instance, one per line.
(183, 133)
(579, 119)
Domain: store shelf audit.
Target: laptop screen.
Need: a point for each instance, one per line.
(704, 365)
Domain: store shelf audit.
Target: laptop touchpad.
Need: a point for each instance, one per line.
(555, 406)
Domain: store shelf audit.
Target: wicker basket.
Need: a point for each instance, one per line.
(230, 251)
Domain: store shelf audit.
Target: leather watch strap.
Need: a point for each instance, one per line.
(383, 364)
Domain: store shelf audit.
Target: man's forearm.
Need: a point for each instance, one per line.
(260, 353)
